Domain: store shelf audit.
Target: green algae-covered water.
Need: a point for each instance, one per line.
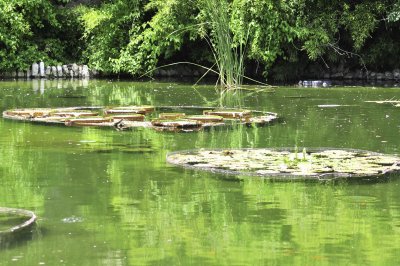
(106, 197)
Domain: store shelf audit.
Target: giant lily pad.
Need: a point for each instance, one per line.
(230, 113)
(395, 103)
(88, 121)
(13, 220)
(128, 117)
(288, 164)
(178, 123)
(206, 118)
(14, 223)
(72, 113)
(171, 115)
(27, 113)
(263, 119)
(131, 117)
(130, 110)
(385, 101)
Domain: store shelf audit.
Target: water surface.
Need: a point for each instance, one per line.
(105, 197)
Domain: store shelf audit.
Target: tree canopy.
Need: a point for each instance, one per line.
(135, 36)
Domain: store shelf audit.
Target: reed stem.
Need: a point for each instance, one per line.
(229, 57)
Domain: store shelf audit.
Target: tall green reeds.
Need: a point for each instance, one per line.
(228, 55)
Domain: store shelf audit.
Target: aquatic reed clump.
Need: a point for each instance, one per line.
(228, 55)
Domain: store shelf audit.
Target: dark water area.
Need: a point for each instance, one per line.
(8, 221)
(106, 197)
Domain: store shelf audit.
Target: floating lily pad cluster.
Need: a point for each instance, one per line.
(13, 224)
(13, 220)
(141, 116)
(290, 163)
(395, 103)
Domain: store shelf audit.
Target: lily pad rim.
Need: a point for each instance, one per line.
(30, 215)
(285, 176)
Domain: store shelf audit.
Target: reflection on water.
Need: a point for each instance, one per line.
(231, 98)
(13, 240)
(112, 196)
(40, 85)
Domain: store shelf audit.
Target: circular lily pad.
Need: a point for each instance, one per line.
(230, 113)
(72, 113)
(289, 164)
(130, 110)
(15, 226)
(206, 118)
(178, 123)
(171, 115)
(262, 120)
(88, 121)
(14, 220)
(28, 112)
(129, 117)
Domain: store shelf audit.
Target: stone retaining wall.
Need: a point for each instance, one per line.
(182, 71)
(336, 74)
(364, 75)
(40, 70)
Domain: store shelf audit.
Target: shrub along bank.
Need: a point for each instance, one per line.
(281, 40)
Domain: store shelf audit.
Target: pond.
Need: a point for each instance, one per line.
(108, 197)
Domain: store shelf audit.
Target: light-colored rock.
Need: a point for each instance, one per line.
(379, 76)
(75, 69)
(71, 73)
(85, 71)
(28, 73)
(80, 70)
(396, 74)
(388, 75)
(35, 70)
(42, 73)
(65, 70)
(48, 71)
(54, 71)
(59, 71)
(20, 74)
(372, 75)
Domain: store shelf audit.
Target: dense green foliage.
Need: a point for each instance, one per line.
(278, 38)
(33, 30)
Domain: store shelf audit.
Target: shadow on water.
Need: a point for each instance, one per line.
(17, 226)
(9, 240)
(239, 177)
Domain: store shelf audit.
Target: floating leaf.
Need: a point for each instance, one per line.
(279, 163)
